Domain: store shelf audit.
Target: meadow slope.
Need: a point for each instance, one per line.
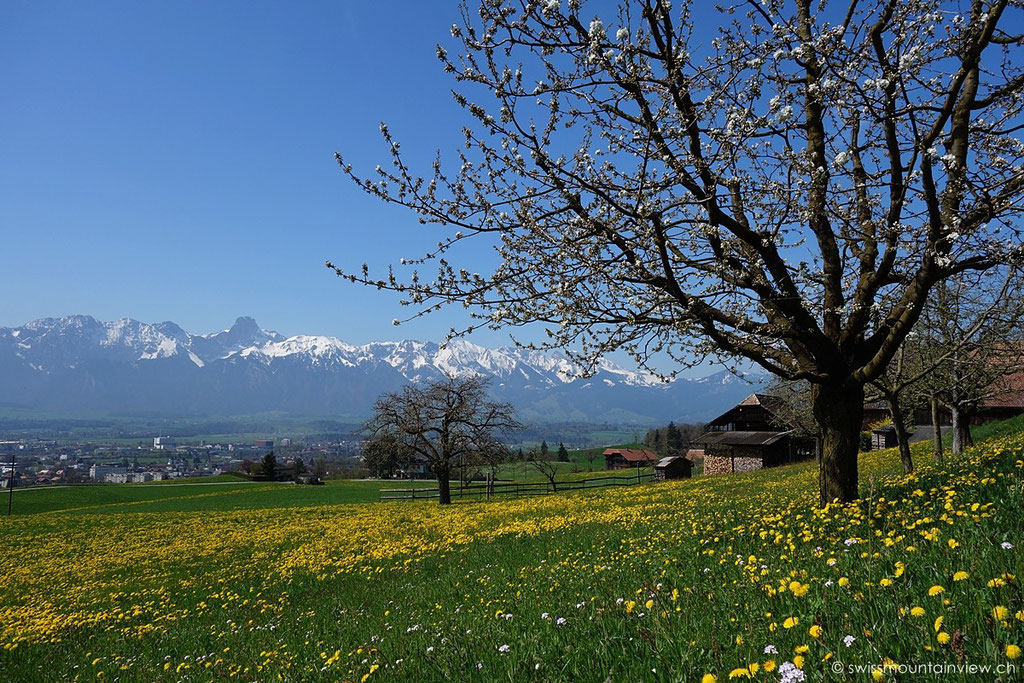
(738, 576)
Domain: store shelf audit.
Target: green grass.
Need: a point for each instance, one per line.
(661, 582)
(205, 493)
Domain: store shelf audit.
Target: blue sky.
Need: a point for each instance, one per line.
(174, 161)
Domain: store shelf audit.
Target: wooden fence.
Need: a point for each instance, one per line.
(487, 490)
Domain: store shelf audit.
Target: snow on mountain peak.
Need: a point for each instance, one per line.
(414, 360)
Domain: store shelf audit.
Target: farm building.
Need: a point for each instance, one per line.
(673, 467)
(1005, 400)
(751, 436)
(625, 458)
(883, 437)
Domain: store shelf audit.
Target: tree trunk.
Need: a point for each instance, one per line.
(902, 438)
(961, 429)
(937, 430)
(839, 412)
(444, 493)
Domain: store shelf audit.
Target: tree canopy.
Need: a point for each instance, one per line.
(785, 188)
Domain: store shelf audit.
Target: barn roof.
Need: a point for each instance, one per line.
(665, 462)
(771, 405)
(632, 454)
(734, 438)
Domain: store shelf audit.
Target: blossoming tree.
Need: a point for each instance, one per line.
(786, 188)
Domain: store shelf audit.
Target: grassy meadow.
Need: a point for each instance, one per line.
(206, 493)
(732, 577)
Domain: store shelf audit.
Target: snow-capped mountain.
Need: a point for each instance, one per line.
(78, 362)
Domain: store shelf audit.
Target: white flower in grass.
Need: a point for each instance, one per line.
(848, 641)
(790, 673)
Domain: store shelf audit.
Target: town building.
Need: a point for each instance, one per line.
(100, 472)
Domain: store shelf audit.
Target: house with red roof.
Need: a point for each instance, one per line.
(627, 458)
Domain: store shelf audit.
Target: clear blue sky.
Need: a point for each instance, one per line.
(174, 161)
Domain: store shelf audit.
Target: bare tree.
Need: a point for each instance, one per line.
(794, 410)
(896, 386)
(972, 328)
(543, 464)
(443, 421)
(786, 189)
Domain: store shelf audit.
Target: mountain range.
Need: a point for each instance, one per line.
(127, 367)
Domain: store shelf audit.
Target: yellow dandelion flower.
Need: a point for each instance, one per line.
(708, 678)
(815, 631)
(769, 666)
(942, 637)
(798, 661)
(1000, 613)
(917, 611)
(938, 624)
(1012, 651)
(960, 576)
(790, 622)
(935, 590)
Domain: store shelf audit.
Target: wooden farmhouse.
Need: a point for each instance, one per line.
(627, 458)
(751, 436)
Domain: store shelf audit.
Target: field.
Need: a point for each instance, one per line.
(207, 493)
(728, 577)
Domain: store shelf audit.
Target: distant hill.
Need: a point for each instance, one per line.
(130, 367)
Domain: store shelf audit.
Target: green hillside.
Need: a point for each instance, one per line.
(737, 576)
